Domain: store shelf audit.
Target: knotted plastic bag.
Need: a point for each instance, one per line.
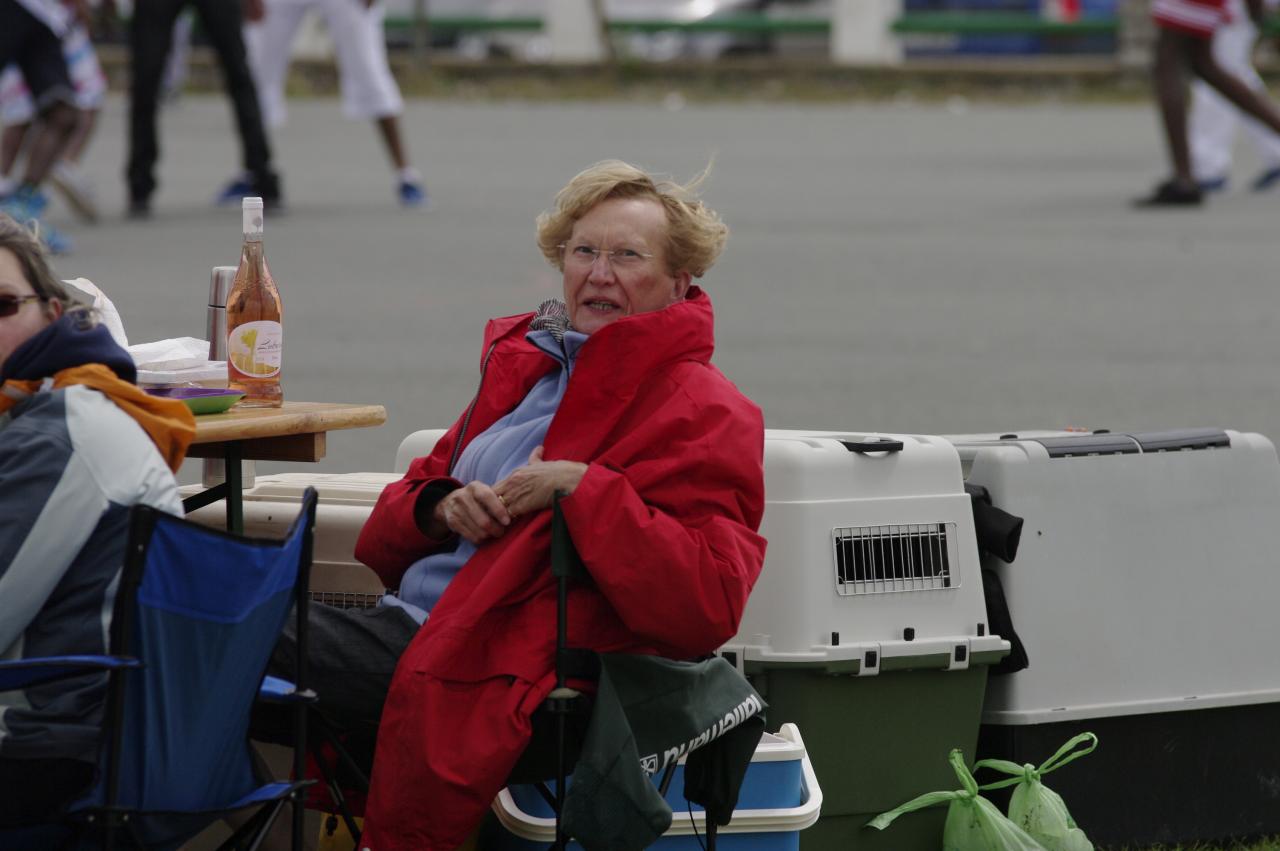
(973, 823)
(1036, 808)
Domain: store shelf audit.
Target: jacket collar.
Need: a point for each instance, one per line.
(68, 342)
(632, 347)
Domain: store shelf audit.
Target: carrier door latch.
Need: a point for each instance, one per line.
(869, 664)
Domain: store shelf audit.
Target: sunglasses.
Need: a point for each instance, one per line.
(9, 304)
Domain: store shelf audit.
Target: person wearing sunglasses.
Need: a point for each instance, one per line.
(80, 444)
(608, 397)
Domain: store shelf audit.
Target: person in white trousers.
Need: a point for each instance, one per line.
(1213, 121)
(368, 89)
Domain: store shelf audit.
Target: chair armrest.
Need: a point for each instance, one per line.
(276, 690)
(25, 673)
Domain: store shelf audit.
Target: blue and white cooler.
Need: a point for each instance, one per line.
(779, 798)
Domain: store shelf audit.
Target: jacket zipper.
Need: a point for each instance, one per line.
(466, 421)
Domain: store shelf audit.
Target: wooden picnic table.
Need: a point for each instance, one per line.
(294, 432)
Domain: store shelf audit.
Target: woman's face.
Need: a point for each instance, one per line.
(600, 287)
(32, 317)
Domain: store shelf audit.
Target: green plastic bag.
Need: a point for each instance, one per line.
(1036, 808)
(973, 823)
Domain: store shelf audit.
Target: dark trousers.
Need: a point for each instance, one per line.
(37, 51)
(351, 658)
(150, 38)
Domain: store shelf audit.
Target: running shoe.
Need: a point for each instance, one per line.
(237, 188)
(1267, 179)
(1171, 194)
(76, 188)
(1214, 184)
(24, 204)
(55, 241)
(411, 193)
(139, 209)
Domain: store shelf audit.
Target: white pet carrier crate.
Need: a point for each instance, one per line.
(1144, 592)
(871, 557)
(867, 627)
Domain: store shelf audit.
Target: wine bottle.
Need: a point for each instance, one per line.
(254, 320)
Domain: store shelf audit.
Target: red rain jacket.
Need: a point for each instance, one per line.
(665, 520)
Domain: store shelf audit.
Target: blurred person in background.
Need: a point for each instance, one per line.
(176, 68)
(150, 38)
(1184, 33)
(1214, 120)
(369, 91)
(18, 113)
(31, 33)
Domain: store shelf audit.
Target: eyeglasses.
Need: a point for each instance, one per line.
(9, 304)
(621, 259)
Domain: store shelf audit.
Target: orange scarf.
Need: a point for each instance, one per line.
(168, 422)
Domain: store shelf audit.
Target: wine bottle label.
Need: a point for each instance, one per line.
(254, 348)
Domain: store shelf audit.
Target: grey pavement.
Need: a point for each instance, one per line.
(900, 267)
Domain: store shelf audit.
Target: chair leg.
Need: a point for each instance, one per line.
(711, 835)
(330, 775)
(330, 781)
(561, 839)
(272, 813)
(135, 835)
(249, 829)
(667, 773)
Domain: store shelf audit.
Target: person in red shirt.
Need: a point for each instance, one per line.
(1184, 37)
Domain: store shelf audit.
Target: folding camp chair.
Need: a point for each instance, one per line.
(559, 725)
(197, 615)
(565, 714)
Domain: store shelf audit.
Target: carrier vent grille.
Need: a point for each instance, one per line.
(887, 559)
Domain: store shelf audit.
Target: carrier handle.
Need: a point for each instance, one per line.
(864, 446)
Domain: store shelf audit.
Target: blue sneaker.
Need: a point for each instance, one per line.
(411, 194)
(25, 204)
(55, 241)
(1267, 179)
(1214, 184)
(238, 188)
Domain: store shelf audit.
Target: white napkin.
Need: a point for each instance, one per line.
(87, 291)
(175, 353)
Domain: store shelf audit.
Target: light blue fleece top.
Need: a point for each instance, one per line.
(490, 458)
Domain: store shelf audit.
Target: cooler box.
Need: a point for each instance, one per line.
(780, 797)
(1145, 593)
(867, 627)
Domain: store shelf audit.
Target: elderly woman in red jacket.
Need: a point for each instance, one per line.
(661, 460)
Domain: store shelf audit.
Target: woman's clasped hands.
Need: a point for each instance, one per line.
(479, 512)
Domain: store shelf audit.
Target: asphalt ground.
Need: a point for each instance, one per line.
(898, 267)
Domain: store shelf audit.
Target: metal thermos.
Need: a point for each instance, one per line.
(220, 281)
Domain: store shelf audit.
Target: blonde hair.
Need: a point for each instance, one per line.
(695, 234)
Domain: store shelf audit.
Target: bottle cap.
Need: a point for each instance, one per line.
(251, 216)
(220, 282)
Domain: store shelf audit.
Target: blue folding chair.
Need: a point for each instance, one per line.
(197, 615)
